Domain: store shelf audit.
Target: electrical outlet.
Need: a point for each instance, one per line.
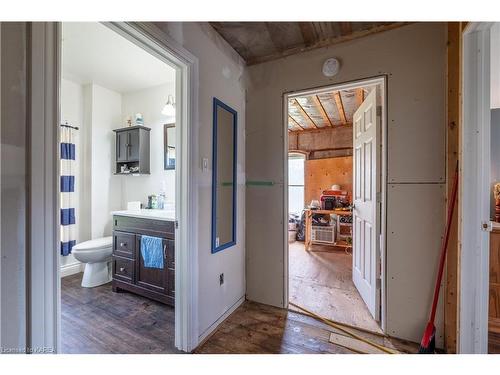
(221, 279)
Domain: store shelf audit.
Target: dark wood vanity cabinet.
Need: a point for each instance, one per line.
(129, 272)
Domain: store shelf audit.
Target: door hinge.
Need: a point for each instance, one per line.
(379, 110)
(379, 197)
(176, 224)
(379, 283)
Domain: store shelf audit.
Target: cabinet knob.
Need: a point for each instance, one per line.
(122, 269)
(123, 244)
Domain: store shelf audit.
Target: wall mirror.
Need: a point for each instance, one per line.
(169, 146)
(223, 176)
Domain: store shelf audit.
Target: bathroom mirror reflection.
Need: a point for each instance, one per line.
(224, 176)
(169, 146)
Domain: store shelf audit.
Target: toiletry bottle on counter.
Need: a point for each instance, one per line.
(162, 196)
(152, 201)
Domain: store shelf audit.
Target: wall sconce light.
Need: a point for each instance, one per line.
(169, 108)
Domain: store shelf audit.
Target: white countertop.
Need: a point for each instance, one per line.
(167, 215)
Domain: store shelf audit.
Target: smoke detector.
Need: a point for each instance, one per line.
(331, 67)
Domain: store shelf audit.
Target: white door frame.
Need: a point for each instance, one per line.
(381, 81)
(43, 277)
(474, 190)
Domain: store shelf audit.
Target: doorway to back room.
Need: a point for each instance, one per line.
(335, 202)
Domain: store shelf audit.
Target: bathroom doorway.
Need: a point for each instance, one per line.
(122, 146)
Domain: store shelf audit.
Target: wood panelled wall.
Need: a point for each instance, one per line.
(321, 174)
(454, 55)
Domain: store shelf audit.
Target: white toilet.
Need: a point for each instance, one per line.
(97, 255)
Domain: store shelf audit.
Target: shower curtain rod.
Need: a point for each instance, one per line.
(69, 126)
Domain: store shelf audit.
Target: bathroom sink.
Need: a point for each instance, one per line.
(155, 214)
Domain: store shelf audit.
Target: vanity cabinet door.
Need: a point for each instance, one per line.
(170, 250)
(154, 279)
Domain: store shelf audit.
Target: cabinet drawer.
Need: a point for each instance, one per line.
(123, 244)
(123, 269)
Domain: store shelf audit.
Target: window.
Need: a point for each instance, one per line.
(295, 183)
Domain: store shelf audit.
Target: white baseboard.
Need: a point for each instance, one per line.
(71, 269)
(223, 317)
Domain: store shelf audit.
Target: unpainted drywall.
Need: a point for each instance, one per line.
(220, 75)
(321, 174)
(13, 38)
(413, 58)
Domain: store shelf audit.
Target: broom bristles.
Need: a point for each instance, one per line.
(428, 343)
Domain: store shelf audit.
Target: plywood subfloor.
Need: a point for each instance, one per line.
(321, 281)
(260, 329)
(99, 321)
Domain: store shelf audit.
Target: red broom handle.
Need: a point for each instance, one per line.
(444, 246)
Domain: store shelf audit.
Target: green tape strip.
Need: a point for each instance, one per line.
(260, 183)
(227, 184)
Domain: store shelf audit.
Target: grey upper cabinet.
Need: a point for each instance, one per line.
(132, 150)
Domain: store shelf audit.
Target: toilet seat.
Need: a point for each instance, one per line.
(95, 244)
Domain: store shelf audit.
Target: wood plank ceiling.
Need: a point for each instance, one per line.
(257, 42)
(325, 110)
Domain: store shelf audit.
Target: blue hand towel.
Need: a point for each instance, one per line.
(152, 251)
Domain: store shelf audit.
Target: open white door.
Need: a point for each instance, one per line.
(366, 211)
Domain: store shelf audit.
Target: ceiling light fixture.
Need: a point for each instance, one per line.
(169, 108)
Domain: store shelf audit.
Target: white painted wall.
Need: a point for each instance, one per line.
(150, 103)
(414, 59)
(106, 187)
(72, 109)
(216, 57)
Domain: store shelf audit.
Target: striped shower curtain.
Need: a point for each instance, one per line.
(67, 189)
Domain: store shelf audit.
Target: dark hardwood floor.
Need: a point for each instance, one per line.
(493, 342)
(260, 329)
(99, 321)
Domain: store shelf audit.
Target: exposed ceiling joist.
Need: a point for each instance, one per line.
(257, 42)
(304, 113)
(345, 28)
(316, 130)
(291, 119)
(340, 106)
(360, 96)
(321, 109)
(308, 34)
